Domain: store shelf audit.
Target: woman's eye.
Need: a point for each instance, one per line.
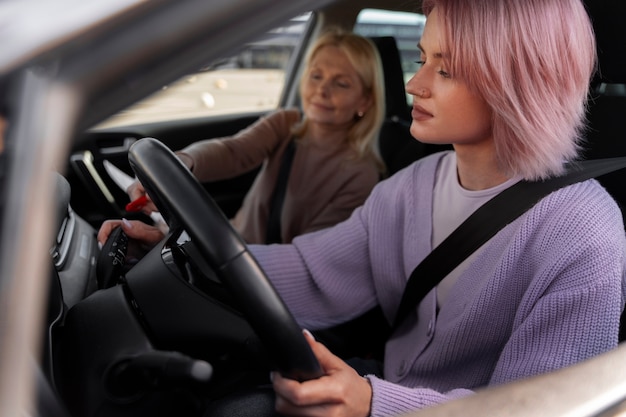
(420, 63)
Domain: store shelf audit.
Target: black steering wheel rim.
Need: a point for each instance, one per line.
(185, 203)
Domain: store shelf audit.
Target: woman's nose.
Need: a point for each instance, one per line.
(423, 92)
(323, 88)
(416, 87)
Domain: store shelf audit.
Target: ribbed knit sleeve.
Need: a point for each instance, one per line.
(391, 399)
(321, 294)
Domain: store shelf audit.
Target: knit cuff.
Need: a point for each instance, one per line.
(186, 159)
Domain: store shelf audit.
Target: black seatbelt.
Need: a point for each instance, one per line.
(485, 222)
(273, 233)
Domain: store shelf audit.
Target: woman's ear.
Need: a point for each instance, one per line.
(365, 104)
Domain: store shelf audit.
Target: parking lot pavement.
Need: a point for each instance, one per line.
(205, 94)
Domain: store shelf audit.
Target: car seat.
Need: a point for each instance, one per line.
(606, 130)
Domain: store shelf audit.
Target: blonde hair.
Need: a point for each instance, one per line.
(363, 55)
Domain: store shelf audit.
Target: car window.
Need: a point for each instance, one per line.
(248, 81)
(405, 27)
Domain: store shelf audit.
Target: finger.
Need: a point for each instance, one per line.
(291, 393)
(315, 392)
(310, 398)
(149, 207)
(141, 231)
(326, 358)
(105, 230)
(135, 190)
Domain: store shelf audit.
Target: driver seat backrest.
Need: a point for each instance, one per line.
(606, 128)
(396, 145)
(606, 131)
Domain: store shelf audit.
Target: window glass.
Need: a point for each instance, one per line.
(405, 27)
(248, 81)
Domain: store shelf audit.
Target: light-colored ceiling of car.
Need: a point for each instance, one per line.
(344, 12)
(29, 27)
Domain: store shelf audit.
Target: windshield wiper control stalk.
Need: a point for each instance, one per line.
(133, 375)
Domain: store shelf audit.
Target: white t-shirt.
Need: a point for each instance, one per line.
(452, 204)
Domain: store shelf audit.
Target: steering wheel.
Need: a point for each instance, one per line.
(185, 203)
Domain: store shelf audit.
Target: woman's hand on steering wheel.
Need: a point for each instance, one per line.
(341, 389)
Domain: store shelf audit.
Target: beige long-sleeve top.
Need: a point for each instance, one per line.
(325, 185)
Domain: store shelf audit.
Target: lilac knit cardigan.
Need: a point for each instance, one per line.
(544, 293)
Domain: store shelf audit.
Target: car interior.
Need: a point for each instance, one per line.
(126, 340)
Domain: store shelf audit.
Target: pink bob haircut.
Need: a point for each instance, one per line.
(532, 62)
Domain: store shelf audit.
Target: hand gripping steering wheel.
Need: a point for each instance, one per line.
(185, 203)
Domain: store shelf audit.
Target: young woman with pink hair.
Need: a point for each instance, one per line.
(505, 82)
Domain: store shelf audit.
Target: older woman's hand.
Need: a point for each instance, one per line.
(136, 191)
(144, 233)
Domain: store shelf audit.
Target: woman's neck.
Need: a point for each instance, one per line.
(330, 136)
(477, 168)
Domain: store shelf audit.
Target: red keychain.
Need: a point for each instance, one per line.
(138, 204)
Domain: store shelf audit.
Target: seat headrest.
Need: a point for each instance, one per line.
(608, 23)
(395, 94)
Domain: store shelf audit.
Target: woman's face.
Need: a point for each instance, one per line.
(332, 92)
(444, 109)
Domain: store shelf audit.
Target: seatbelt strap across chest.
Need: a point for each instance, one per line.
(485, 222)
(273, 233)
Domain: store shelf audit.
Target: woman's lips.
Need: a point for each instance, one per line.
(321, 106)
(420, 114)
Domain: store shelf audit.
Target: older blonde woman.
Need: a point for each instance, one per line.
(335, 164)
